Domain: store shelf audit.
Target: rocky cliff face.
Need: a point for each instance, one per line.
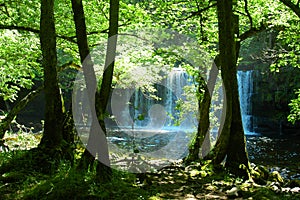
(272, 93)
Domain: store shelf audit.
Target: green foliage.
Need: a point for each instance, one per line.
(22, 140)
(19, 62)
(20, 58)
(287, 49)
(295, 108)
(18, 67)
(22, 13)
(275, 49)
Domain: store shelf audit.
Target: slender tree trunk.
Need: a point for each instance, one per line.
(202, 138)
(105, 89)
(203, 124)
(4, 125)
(52, 136)
(97, 143)
(231, 142)
(107, 77)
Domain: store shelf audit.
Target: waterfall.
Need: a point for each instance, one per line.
(146, 112)
(168, 92)
(245, 84)
(175, 83)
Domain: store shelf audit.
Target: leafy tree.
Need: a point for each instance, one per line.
(189, 17)
(289, 55)
(19, 70)
(106, 84)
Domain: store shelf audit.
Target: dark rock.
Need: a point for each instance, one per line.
(294, 183)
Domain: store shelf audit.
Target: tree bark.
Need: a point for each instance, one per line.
(4, 125)
(52, 136)
(294, 7)
(109, 62)
(231, 142)
(107, 77)
(203, 125)
(202, 138)
(97, 143)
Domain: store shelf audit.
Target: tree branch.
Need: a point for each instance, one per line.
(106, 30)
(33, 30)
(252, 31)
(4, 125)
(67, 38)
(21, 28)
(294, 7)
(248, 13)
(197, 13)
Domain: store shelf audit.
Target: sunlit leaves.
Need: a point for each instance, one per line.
(136, 66)
(182, 17)
(295, 109)
(22, 13)
(18, 64)
(289, 46)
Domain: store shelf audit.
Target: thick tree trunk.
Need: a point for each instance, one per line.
(231, 142)
(52, 136)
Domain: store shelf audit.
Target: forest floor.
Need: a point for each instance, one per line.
(28, 174)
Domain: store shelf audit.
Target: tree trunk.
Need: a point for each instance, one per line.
(52, 136)
(231, 142)
(202, 138)
(97, 143)
(107, 77)
(4, 125)
(109, 62)
(203, 124)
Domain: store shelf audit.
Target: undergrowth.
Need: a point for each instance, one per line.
(21, 178)
(31, 174)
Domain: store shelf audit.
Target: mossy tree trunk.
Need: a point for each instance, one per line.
(203, 124)
(202, 138)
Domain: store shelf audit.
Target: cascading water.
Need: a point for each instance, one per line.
(148, 125)
(245, 83)
(168, 92)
